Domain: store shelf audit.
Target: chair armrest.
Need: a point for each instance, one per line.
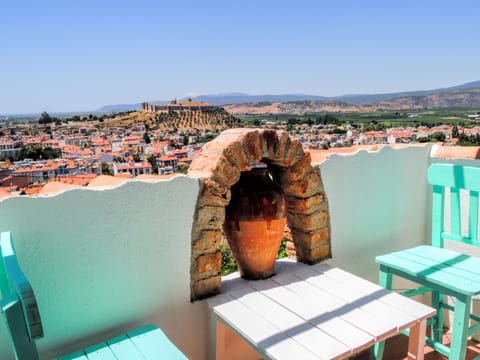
(13, 282)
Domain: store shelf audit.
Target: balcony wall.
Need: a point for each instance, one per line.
(102, 261)
(378, 203)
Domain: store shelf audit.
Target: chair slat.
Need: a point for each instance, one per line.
(473, 216)
(455, 211)
(438, 212)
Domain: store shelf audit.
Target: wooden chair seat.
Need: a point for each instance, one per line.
(453, 272)
(147, 342)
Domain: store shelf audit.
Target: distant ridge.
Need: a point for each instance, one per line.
(236, 98)
(370, 99)
(353, 99)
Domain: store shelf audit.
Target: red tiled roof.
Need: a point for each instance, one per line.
(167, 158)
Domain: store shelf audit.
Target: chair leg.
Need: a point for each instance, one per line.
(385, 277)
(377, 351)
(385, 280)
(13, 314)
(437, 321)
(458, 347)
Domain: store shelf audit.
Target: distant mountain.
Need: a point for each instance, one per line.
(458, 98)
(364, 99)
(239, 98)
(351, 99)
(219, 99)
(467, 98)
(126, 107)
(118, 108)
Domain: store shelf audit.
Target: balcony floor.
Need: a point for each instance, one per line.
(396, 349)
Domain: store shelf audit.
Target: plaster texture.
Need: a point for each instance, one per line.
(378, 202)
(104, 261)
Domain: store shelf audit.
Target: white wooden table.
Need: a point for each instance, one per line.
(313, 312)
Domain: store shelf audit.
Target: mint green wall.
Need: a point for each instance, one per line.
(102, 261)
(378, 203)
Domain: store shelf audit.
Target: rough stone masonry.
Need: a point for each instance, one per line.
(218, 167)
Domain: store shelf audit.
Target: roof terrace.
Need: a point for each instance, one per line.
(105, 259)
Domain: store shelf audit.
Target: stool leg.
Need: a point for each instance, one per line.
(461, 317)
(416, 341)
(385, 280)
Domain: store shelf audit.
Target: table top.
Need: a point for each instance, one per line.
(313, 312)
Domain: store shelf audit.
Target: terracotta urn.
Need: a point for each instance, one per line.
(255, 221)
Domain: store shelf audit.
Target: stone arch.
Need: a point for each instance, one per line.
(218, 167)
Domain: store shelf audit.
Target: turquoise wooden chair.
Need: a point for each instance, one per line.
(441, 271)
(22, 317)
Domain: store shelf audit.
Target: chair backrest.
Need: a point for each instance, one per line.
(18, 304)
(456, 178)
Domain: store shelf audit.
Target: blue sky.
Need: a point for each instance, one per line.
(79, 55)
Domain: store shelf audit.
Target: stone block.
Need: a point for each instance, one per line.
(293, 153)
(208, 263)
(315, 255)
(305, 206)
(226, 172)
(199, 174)
(209, 218)
(252, 143)
(214, 194)
(235, 153)
(299, 170)
(205, 162)
(206, 287)
(238, 132)
(213, 148)
(310, 239)
(209, 241)
(307, 223)
(273, 144)
(306, 187)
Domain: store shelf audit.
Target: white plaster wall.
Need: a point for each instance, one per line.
(104, 261)
(379, 202)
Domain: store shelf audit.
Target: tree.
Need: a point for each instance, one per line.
(455, 131)
(423, 139)
(106, 169)
(36, 152)
(146, 138)
(45, 118)
(438, 136)
(292, 121)
(152, 160)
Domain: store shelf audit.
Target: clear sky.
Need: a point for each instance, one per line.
(80, 55)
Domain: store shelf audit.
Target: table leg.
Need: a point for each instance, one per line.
(217, 338)
(416, 340)
(213, 336)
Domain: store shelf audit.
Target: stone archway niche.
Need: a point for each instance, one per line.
(218, 167)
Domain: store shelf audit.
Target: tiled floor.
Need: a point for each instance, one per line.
(396, 349)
